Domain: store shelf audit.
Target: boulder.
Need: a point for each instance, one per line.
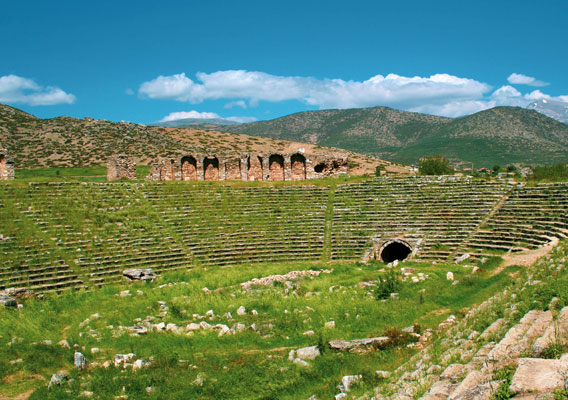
(308, 353)
(192, 327)
(57, 380)
(348, 381)
(139, 274)
(7, 301)
(539, 375)
(377, 342)
(241, 310)
(80, 361)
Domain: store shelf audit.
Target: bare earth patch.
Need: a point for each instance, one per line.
(526, 258)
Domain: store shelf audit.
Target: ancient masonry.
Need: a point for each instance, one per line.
(247, 167)
(6, 165)
(120, 166)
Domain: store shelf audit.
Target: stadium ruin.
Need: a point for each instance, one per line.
(99, 229)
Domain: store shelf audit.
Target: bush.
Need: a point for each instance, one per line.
(435, 165)
(388, 283)
(557, 171)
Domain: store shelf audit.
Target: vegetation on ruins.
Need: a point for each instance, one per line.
(72, 234)
(251, 364)
(435, 165)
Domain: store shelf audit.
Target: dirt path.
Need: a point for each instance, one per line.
(526, 258)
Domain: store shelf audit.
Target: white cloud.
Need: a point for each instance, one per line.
(15, 89)
(189, 114)
(238, 103)
(520, 79)
(254, 86)
(203, 115)
(438, 94)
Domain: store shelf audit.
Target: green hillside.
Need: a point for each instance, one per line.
(501, 135)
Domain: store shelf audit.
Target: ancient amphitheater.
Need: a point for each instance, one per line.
(85, 234)
(57, 236)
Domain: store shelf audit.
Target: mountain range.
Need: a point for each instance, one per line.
(554, 109)
(501, 135)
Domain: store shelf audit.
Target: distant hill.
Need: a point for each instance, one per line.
(501, 135)
(193, 122)
(554, 109)
(72, 142)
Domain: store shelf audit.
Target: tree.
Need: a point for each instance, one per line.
(378, 170)
(496, 168)
(435, 165)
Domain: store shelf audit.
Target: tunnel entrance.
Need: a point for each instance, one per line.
(395, 250)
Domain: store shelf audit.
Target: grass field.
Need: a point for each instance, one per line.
(250, 364)
(94, 174)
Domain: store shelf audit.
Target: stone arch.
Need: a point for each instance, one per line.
(319, 168)
(233, 170)
(188, 168)
(276, 167)
(255, 168)
(211, 169)
(298, 162)
(395, 249)
(167, 171)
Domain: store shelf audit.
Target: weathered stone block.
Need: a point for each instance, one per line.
(120, 166)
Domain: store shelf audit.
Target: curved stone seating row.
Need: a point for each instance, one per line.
(75, 234)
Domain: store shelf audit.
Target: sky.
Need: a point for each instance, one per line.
(148, 61)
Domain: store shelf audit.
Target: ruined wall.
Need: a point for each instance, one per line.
(120, 166)
(211, 169)
(255, 168)
(298, 167)
(7, 170)
(276, 167)
(233, 170)
(323, 166)
(247, 167)
(188, 169)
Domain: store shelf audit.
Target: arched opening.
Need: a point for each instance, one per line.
(319, 168)
(395, 250)
(298, 167)
(188, 169)
(211, 169)
(276, 167)
(233, 170)
(255, 168)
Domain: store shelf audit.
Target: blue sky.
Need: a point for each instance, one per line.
(251, 60)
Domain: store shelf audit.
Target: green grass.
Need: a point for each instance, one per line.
(246, 365)
(83, 174)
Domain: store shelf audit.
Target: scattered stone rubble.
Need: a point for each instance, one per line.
(139, 274)
(465, 362)
(290, 276)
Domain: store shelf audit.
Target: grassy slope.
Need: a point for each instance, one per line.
(70, 142)
(247, 365)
